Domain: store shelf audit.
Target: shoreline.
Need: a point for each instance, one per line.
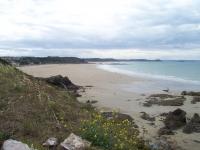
(107, 90)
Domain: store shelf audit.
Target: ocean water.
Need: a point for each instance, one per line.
(160, 75)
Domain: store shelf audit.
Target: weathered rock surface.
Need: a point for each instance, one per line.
(164, 100)
(175, 119)
(195, 99)
(147, 117)
(14, 145)
(119, 116)
(74, 142)
(62, 82)
(51, 142)
(190, 93)
(193, 125)
(165, 131)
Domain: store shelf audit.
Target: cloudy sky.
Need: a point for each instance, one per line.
(166, 29)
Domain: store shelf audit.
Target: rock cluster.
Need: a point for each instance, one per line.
(193, 125)
(73, 142)
(173, 120)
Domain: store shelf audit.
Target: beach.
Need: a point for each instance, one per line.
(108, 89)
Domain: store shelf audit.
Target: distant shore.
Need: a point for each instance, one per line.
(106, 88)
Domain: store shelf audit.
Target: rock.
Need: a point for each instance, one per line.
(91, 101)
(165, 131)
(175, 119)
(166, 90)
(74, 142)
(164, 100)
(14, 145)
(146, 116)
(193, 125)
(62, 82)
(190, 93)
(118, 116)
(51, 143)
(195, 99)
(162, 143)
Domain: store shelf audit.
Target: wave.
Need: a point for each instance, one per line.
(112, 68)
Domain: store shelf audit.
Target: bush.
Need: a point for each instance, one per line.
(111, 134)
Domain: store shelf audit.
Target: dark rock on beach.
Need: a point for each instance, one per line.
(195, 99)
(119, 116)
(193, 125)
(62, 82)
(165, 131)
(175, 119)
(190, 93)
(147, 117)
(164, 100)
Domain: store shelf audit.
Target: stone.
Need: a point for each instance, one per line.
(175, 119)
(74, 142)
(51, 142)
(165, 131)
(147, 117)
(14, 145)
(190, 93)
(193, 125)
(118, 116)
(195, 99)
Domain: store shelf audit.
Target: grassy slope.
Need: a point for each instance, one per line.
(31, 110)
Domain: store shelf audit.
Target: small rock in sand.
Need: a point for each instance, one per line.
(146, 116)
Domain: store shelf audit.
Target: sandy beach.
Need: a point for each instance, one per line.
(107, 89)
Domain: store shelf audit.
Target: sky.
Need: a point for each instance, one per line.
(151, 29)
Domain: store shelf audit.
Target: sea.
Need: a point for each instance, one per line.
(158, 75)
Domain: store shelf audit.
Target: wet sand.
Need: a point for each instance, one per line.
(107, 89)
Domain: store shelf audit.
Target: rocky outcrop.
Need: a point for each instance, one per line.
(14, 145)
(147, 117)
(195, 99)
(164, 100)
(175, 119)
(193, 125)
(74, 142)
(190, 93)
(62, 82)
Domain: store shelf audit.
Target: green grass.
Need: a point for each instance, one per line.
(31, 110)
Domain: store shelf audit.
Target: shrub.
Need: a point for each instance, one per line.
(111, 133)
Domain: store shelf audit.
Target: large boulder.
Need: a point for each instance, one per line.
(74, 142)
(175, 119)
(14, 145)
(62, 82)
(193, 125)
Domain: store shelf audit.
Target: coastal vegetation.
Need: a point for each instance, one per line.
(32, 110)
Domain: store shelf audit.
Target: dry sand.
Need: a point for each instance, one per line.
(107, 90)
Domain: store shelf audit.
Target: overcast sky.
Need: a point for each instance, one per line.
(166, 29)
